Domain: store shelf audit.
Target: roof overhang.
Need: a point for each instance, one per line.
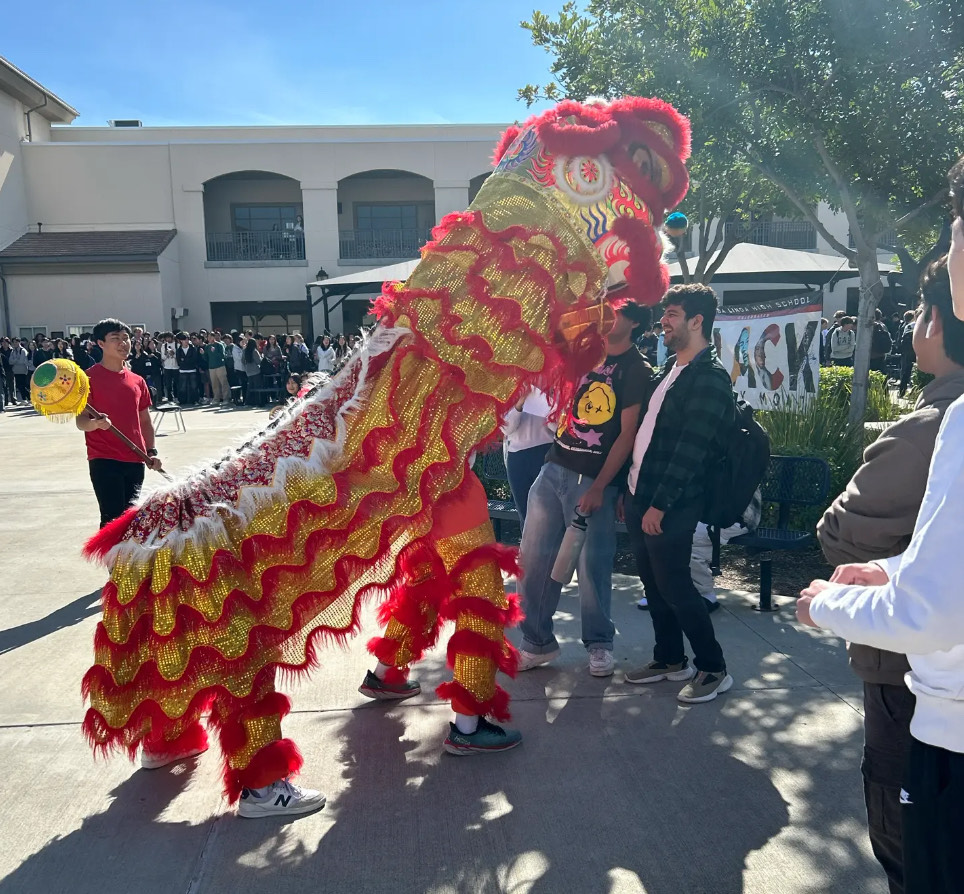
(34, 95)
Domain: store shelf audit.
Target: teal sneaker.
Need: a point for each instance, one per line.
(487, 738)
(382, 691)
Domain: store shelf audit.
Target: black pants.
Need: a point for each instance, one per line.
(906, 371)
(933, 815)
(170, 383)
(675, 605)
(888, 710)
(187, 388)
(23, 385)
(843, 361)
(116, 484)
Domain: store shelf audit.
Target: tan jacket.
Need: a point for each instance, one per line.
(874, 517)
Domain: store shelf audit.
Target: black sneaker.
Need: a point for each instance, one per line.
(382, 691)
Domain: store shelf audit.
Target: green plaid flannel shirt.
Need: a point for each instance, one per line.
(697, 409)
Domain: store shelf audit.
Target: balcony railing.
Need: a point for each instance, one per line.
(796, 234)
(359, 244)
(268, 245)
(888, 239)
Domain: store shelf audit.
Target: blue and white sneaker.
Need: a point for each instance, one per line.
(281, 798)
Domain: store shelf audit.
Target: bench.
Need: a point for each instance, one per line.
(161, 412)
(272, 389)
(790, 481)
(493, 470)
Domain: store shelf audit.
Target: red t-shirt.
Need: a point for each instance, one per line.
(121, 396)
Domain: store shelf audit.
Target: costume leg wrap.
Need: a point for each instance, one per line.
(481, 610)
(412, 612)
(255, 754)
(177, 737)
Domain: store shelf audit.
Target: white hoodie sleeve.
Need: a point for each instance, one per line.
(919, 610)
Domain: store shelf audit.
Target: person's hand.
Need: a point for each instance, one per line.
(154, 463)
(803, 609)
(861, 574)
(653, 521)
(591, 500)
(103, 423)
(621, 508)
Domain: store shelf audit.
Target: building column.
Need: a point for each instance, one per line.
(450, 196)
(191, 253)
(320, 203)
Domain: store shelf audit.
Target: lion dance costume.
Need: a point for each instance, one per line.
(362, 489)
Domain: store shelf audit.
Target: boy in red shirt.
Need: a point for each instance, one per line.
(116, 472)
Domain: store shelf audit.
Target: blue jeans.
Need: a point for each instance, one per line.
(522, 468)
(552, 504)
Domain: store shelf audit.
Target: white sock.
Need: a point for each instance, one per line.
(467, 723)
(381, 670)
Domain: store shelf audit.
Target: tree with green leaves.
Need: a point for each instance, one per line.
(856, 103)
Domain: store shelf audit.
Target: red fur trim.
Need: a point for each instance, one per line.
(277, 760)
(97, 547)
(647, 276)
(505, 141)
(384, 649)
(194, 738)
(396, 676)
(482, 608)
(506, 557)
(497, 706)
(468, 642)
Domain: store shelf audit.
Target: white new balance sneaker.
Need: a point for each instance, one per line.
(281, 798)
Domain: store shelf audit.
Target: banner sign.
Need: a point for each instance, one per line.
(771, 349)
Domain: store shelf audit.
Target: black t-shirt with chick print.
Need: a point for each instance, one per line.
(588, 431)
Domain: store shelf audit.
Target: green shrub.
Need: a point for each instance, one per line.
(837, 385)
(817, 428)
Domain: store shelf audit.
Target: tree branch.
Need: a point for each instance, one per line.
(804, 209)
(935, 199)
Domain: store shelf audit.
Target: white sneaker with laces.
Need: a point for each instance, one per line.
(527, 660)
(601, 663)
(281, 798)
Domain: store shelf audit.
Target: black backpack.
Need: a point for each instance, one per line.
(733, 479)
(881, 342)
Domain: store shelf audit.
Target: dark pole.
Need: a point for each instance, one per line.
(310, 322)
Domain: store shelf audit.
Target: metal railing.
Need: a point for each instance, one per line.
(358, 244)
(268, 245)
(800, 235)
(888, 239)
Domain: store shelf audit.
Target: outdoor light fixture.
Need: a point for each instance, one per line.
(321, 274)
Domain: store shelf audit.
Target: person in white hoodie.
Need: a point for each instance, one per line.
(911, 603)
(528, 436)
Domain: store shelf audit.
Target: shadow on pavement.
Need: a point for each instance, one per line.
(65, 616)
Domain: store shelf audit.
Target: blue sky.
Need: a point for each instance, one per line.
(243, 62)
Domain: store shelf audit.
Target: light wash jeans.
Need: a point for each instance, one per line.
(552, 505)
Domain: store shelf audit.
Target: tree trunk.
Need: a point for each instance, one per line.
(871, 289)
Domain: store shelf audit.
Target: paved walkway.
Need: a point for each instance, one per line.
(616, 788)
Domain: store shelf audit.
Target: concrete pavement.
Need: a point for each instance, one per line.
(615, 789)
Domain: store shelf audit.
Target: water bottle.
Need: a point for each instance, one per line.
(568, 554)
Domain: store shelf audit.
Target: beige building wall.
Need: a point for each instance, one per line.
(13, 196)
(56, 301)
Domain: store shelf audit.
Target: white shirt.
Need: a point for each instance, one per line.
(919, 611)
(645, 434)
(528, 427)
(326, 358)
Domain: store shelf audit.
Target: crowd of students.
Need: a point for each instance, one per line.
(227, 369)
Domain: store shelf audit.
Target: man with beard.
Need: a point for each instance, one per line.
(677, 441)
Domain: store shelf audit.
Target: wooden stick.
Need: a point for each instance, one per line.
(94, 413)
